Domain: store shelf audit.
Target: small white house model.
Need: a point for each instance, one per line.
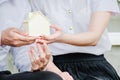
(37, 24)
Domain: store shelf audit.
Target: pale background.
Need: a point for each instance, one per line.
(112, 56)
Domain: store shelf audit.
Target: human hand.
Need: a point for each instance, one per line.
(66, 76)
(15, 37)
(39, 61)
(53, 37)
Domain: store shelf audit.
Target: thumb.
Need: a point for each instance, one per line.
(55, 27)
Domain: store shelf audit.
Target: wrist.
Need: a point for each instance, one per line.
(60, 38)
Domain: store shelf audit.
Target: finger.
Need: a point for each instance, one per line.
(55, 27)
(21, 32)
(30, 55)
(40, 49)
(44, 61)
(42, 67)
(44, 41)
(35, 56)
(46, 50)
(41, 41)
(27, 38)
(56, 34)
(28, 42)
(21, 37)
(34, 66)
(18, 43)
(42, 55)
(52, 36)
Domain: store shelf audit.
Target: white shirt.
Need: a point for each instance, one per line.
(12, 13)
(1, 1)
(73, 16)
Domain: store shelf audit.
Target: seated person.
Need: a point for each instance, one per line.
(38, 62)
(12, 15)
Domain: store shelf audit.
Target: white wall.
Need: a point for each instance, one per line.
(114, 57)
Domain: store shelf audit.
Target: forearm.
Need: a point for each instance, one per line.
(81, 39)
(53, 68)
(96, 27)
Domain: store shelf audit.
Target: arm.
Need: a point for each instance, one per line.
(98, 23)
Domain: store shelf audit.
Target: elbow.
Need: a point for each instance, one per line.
(88, 43)
(94, 40)
(94, 43)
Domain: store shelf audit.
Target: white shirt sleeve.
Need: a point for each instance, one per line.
(1, 1)
(21, 57)
(105, 5)
(0, 38)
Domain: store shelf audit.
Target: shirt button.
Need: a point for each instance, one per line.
(71, 28)
(69, 11)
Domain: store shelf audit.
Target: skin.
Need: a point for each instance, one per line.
(51, 38)
(15, 37)
(98, 23)
(43, 61)
(39, 61)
